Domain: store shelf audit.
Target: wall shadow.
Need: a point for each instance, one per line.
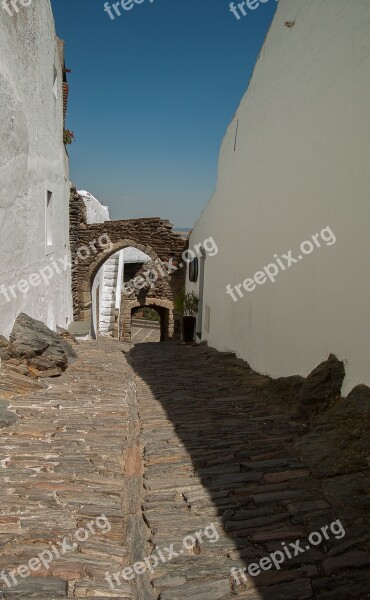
(229, 453)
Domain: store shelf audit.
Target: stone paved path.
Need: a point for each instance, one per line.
(176, 442)
(62, 467)
(218, 449)
(141, 335)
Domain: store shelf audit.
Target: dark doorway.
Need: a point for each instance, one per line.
(151, 318)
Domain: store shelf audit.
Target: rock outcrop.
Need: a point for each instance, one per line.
(338, 448)
(321, 387)
(339, 443)
(35, 350)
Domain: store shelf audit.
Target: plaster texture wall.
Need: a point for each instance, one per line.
(32, 161)
(96, 212)
(295, 159)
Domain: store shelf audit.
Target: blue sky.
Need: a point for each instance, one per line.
(151, 95)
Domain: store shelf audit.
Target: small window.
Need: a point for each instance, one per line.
(194, 270)
(55, 85)
(49, 215)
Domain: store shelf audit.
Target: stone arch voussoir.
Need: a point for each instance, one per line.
(167, 327)
(153, 236)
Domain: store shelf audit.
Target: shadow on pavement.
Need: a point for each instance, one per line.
(219, 448)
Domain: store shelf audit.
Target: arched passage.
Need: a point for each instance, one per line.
(86, 299)
(92, 245)
(163, 307)
(107, 286)
(84, 295)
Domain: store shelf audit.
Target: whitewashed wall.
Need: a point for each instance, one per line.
(294, 160)
(96, 212)
(32, 162)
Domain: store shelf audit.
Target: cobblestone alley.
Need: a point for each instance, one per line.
(130, 451)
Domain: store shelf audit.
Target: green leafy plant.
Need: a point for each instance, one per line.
(148, 314)
(187, 304)
(68, 136)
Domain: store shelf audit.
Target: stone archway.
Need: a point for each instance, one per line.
(164, 308)
(92, 245)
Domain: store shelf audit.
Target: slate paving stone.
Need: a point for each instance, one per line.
(211, 590)
(358, 536)
(255, 523)
(296, 507)
(169, 582)
(203, 439)
(45, 588)
(277, 496)
(288, 591)
(286, 575)
(167, 443)
(349, 560)
(90, 589)
(65, 468)
(285, 476)
(342, 587)
(283, 533)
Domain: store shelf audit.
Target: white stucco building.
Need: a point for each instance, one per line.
(295, 161)
(34, 179)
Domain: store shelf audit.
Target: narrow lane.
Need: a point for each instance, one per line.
(154, 472)
(61, 470)
(220, 467)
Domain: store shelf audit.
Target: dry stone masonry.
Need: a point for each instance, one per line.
(153, 236)
(159, 296)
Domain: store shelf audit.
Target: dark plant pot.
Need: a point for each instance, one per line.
(188, 329)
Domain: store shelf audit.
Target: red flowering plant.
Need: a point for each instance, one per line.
(68, 136)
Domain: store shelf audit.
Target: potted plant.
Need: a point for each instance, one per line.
(68, 136)
(187, 306)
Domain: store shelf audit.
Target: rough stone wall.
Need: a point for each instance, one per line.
(131, 270)
(164, 309)
(153, 236)
(162, 288)
(160, 296)
(77, 221)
